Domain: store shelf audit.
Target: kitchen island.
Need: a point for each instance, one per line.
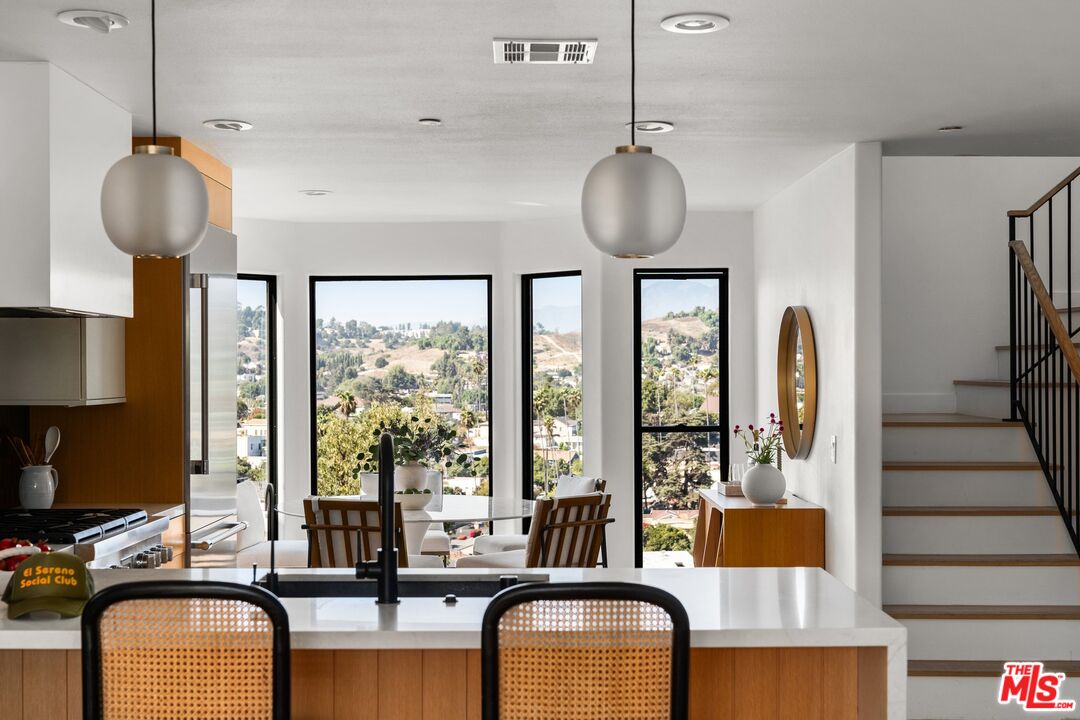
(766, 643)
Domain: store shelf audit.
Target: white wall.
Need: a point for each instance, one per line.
(818, 244)
(294, 251)
(944, 287)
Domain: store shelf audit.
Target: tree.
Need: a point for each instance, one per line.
(664, 537)
(242, 410)
(346, 403)
(340, 441)
(401, 379)
(381, 362)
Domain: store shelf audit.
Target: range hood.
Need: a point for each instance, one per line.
(60, 138)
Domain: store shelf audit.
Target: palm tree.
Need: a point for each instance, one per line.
(549, 431)
(346, 403)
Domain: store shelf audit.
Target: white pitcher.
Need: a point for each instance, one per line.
(37, 485)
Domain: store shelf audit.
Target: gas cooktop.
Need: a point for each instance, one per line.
(68, 526)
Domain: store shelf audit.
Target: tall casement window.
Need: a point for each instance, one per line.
(551, 379)
(681, 390)
(406, 354)
(256, 379)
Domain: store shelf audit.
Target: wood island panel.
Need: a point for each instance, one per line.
(725, 684)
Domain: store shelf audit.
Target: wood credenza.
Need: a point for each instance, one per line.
(732, 533)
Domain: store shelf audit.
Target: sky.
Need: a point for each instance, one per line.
(251, 293)
(394, 302)
(556, 303)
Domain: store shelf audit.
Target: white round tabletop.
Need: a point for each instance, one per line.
(465, 508)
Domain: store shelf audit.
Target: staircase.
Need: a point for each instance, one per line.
(980, 529)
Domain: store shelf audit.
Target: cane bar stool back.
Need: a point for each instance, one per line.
(334, 525)
(589, 651)
(181, 650)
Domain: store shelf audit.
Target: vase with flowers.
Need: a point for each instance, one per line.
(763, 484)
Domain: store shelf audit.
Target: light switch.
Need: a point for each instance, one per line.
(832, 448)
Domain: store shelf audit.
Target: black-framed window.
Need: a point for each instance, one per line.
(682, 399)
(403, 352)
(552, 421)
(256, 380)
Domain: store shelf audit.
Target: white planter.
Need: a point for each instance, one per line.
(410, 476)
(369, 484)
(763, 485)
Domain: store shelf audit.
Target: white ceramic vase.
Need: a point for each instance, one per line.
(763, 485)
(369, 484)
(37, 485)
(410, 476)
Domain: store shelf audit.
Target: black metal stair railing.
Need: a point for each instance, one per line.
(1044, 363)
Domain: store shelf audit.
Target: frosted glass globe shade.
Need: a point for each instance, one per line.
(154, 204)
(633, 204)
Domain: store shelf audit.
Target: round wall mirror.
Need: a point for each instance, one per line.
(796, 381)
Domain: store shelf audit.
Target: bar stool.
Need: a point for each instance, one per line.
(585, 651)
(172, 649)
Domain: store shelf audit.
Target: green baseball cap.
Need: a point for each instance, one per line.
(53, 582)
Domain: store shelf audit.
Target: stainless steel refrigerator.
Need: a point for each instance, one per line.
(211, 370)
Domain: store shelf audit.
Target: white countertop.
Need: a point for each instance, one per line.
(728, 607)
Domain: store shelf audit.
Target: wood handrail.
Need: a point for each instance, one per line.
(1050, 313)
(1045, 198)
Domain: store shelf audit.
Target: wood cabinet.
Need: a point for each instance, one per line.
(732, 533)
(134, 451)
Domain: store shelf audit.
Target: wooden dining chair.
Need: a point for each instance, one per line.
(585, 651)
(565, 486)
(565, 532)
(333, 526)
(178, 649)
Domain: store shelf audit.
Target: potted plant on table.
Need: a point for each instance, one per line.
(763, 484)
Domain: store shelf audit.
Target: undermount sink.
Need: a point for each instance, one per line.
(434, 585)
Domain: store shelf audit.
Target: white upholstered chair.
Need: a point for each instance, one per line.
(565, 486)
(436, 541)
(251, 543)
(565, 532)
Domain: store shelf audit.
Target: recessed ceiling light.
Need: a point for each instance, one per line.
(316, 193)
(528, 203)
(950, 128)
(96, 20)
(695, 23)
(430, 122)
(654, 127)
(230, 125)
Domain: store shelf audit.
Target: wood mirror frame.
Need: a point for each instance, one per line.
(797, 437)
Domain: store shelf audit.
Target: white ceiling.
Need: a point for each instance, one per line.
(334, 88)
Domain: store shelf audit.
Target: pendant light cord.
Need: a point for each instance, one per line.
(153, 66)
(633, 75)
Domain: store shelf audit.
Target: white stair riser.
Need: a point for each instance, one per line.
(972, 698)
(980, 585)
(993, 639)
(1001, 444)
(1003, 361)
(976, 487)
(982, 401)
(974, 534)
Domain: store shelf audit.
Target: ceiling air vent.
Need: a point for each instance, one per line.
(544, 52)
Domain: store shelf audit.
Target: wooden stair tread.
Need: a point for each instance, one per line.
(960, 466)
(983, 612)
(980, 668)
(972, 510)
(1031, 347)
(1045, 560)
(998, 383)
(945, 420)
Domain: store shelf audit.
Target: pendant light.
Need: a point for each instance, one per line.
(633, 204)
(153, 203)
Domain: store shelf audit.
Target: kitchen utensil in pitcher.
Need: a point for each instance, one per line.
(52, 442)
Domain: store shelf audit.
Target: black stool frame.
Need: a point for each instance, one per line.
(171, 590)
(530, 592)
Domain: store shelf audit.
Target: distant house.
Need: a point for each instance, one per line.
(565, 432)
(251, 440)
(711, 406)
